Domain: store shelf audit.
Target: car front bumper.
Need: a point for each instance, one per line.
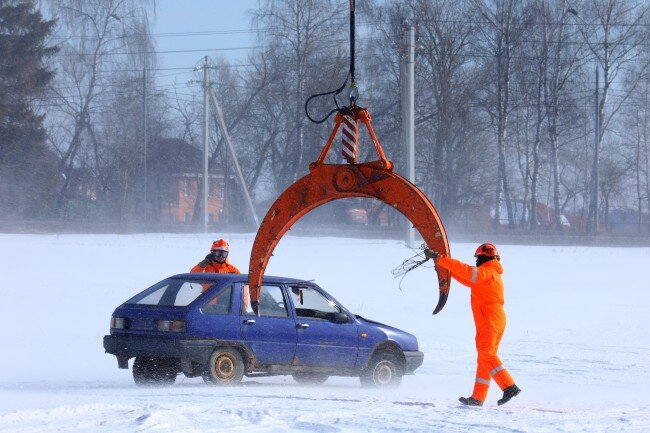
(413, 361)
(129, 346)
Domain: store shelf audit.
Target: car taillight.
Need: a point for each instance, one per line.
(171, 325)
(118, 323)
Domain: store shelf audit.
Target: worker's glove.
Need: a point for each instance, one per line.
(205, 262)
(430, 254)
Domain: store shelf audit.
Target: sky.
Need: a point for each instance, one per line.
(216, 28)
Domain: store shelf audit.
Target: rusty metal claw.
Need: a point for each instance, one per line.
(328, 182)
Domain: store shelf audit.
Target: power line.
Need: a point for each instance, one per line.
(193, 50)
(360, 22)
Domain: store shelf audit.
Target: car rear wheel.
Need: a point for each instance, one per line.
(226, 367)
(154, 371)
(310, 378)
(383, 371)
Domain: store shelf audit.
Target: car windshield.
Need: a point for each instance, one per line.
(172, 292)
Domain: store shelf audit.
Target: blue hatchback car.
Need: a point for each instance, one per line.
(203, 325)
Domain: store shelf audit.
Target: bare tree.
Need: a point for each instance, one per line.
(637, 133)
(503, 19)
(99, 36)
(444, 37)
(614, 40)
(301, 39)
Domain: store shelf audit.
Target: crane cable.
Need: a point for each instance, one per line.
(353, 94)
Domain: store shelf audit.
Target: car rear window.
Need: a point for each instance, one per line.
(171, 292)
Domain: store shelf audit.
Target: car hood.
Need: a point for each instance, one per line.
(407, 341)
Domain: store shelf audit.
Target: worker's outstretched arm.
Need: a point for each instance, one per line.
(462, 272)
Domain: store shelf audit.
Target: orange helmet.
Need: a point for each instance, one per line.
(486, 249)
(220, 245)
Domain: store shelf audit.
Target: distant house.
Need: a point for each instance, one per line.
(182, 193)
(177, 174)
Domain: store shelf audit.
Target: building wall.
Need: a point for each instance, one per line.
(185, 188)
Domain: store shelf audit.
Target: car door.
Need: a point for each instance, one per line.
(321, 341)
(272, 335)
(216, 318)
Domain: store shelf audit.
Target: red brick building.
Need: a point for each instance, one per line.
(182, 193)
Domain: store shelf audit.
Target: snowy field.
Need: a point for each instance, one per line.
(577, 341)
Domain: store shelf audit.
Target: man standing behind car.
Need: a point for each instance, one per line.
(217, 260)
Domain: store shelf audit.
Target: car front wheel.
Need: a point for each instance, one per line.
(383, 371)
(154, 371)
(225, 367)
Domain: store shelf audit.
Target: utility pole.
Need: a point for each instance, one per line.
(597, 156)
(144, 133)
(408, 111)
(592, 216)
(242, 181)
(210, 94)
(206, 140)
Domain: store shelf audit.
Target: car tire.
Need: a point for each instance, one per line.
(383, 371)
(226, 367)
(154, 371)
(310, 378)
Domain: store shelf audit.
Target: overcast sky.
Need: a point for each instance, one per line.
(197, 28)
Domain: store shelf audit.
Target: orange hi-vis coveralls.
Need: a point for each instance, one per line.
(489, 318)
(219, 268)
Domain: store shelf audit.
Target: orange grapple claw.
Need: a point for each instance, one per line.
(328, 182)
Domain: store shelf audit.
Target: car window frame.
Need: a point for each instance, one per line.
(216, 285)
(213, 294)
(323, 293)
(283, 290)
(169, 281)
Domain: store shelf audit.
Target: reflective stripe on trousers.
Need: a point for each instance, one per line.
(483, 381)
(496, 370)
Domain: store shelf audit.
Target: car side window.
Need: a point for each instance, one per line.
(187, 292)
(220, 303)
(310, 303)
(272, 302)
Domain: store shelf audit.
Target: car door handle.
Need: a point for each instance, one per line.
(302, 325)
(249, 322)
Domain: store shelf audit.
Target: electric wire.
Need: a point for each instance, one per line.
(336, 92)
(408, 265)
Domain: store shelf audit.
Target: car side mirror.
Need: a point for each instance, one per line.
(340, 318)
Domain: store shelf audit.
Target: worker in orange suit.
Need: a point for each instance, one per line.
(484, 280)
(217, 261)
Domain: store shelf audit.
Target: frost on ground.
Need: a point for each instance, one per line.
(577, 340)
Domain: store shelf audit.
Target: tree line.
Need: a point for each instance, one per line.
(509, 119)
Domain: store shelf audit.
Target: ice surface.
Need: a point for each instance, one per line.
(577, 340)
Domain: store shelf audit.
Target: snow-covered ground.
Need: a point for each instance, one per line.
(577, 340)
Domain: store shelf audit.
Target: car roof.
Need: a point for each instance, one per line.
(212, 276)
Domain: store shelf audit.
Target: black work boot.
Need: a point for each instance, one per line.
(470, 401)
(508, 393)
